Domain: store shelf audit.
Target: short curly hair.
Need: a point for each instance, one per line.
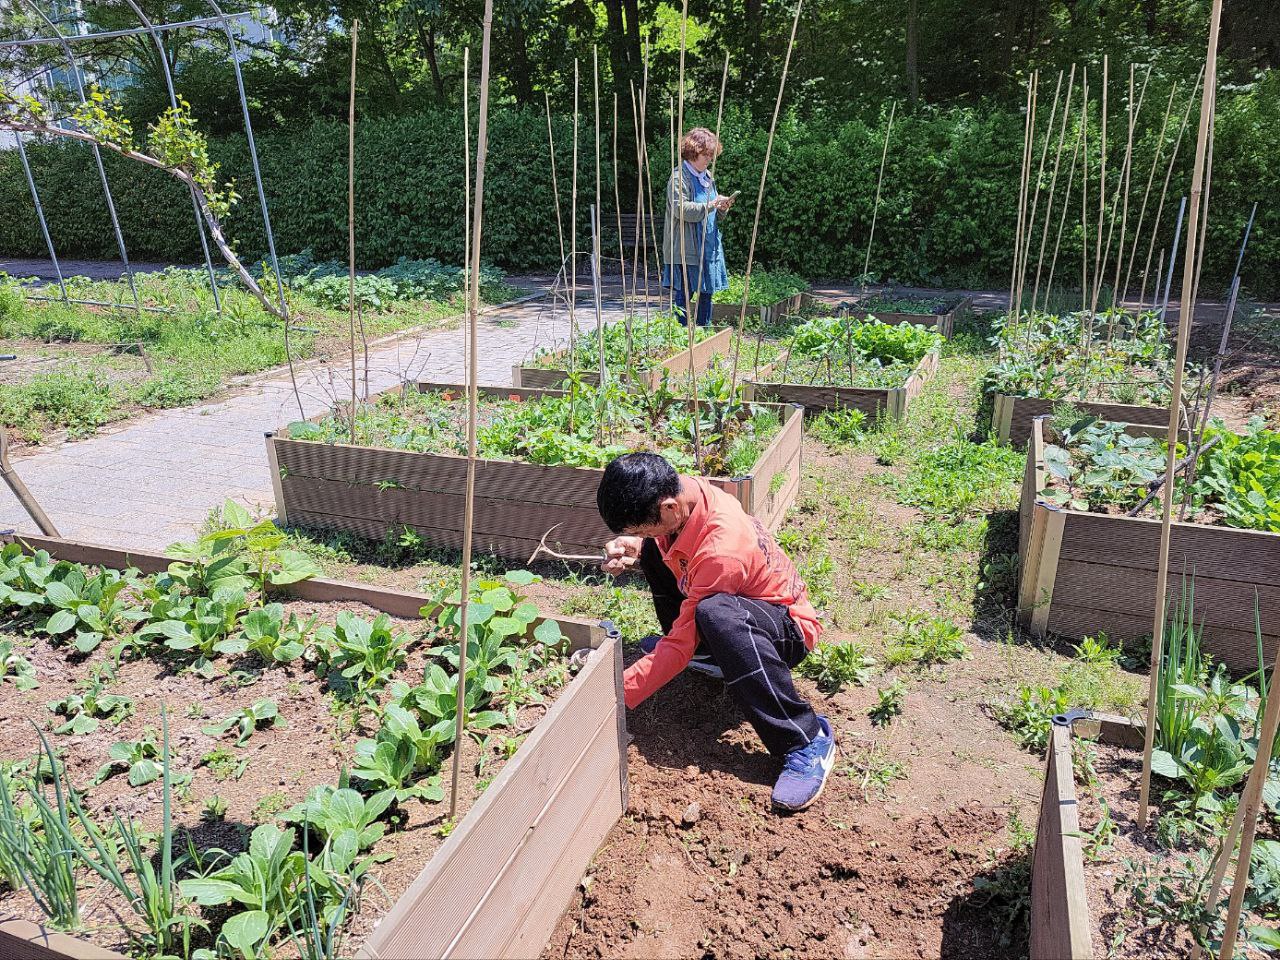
(699, 141)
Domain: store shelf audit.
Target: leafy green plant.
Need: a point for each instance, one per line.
(136, 757)
(767, 288)
(261, 713)
(201, 627)
(959, 478)
(262, 882)
(402, 752)
(926, 641)
(84, 710)
(1240, 475)
(273, 637)
(16, 668)
(214, 808)
(838, 427)
(90, 605)
(340, 815)
(1103, 466)
(834, 666)
(363, 655)
(888, 703)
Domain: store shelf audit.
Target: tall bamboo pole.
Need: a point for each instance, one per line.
(1102, 204)
(1022, 199)
(1066, 203)
(1084, 204)
(724, 79)
(555, 181)
(1146, 193)
(595, 242)
(573, 255)
(764, 176)
(1053, 184)
(690, 318)
(622, 252)
(1134, 112)
(1175, 404)
(875, 210)
(1248, 806)
(640, 248)
(1204, 217)
(1164, 190)
(351, 223)
(473, 377)
(1035, 203)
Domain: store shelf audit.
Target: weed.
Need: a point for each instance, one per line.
(269, 807)
(225, 765)
(926, 641)
(961, 478)
(839, 427)
(888, 703)
(214, 809)
(836, 665)
(872, 769)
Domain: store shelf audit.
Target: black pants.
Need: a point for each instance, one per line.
(755, 643)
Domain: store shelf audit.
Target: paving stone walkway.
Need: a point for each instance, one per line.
(151, 482)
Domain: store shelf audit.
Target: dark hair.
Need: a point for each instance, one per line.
(632, 488)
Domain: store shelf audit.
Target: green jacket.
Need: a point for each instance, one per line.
(680, 208)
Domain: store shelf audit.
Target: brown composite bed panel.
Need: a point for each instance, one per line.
(1011, 416)
(944, 323)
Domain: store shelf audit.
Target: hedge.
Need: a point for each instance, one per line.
(946, 218)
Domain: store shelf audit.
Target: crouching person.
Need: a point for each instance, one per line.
(731, 606)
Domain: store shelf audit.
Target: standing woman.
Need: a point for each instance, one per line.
(693, 206)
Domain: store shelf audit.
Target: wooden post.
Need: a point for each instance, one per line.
(351, 223)
(1164, 190)
(764, 174)
(473, 318)
(1175, 405)
(25, 497)
(875, 210)
(1053, 183)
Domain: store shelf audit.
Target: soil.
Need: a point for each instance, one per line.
(309, 746)
(1250, 381)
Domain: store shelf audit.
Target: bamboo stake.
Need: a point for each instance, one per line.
(1053, 184)
(702, 250)
(573, 259)
(640, 248)
(764, 175)
(602, 417)
(1173, 257)
(351, 223)
(1250, 803)
(875, 210)
(1035, 203)
(1175, 405)
(555, 181)
(1142, 211)
(1066, 203)
(1266, 735)
(473, 322)
(622, 252)
(1204, 221)
(1102, 204)
(1022, 199)
(1134, 112)
(671, 119)
(1173, 157)
(1084, 203)
(690, 319)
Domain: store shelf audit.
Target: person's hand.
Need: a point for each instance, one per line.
(722, 203)
(620, 554)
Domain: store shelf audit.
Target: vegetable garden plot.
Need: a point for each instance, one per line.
(1083, 571)
(936, 313)
(832, 362)
(1123, 375)
(771, 297)
(655, 350)
(535, 826)
(540, 468)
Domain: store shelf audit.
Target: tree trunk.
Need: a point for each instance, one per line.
(617, 37)
(913, 43)
(427, 38)
(521, 69)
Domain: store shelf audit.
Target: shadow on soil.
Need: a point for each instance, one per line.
(991, 919)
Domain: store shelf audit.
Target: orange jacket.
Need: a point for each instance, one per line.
(720, 549)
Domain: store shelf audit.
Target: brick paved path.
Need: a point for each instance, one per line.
(152, 481)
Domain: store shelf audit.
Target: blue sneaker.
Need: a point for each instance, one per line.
(805, 771)
(701, 662)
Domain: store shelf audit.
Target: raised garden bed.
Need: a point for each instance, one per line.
(839, 361)
(891, 402)
(1121, 375)
(373, 491)
(938, 313)
(1011, 416)
(1084, 573)
(765, 313)
(499, 882)
(555, 372)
